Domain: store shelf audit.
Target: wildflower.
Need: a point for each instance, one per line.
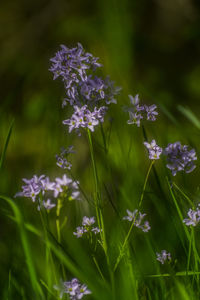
(163, 256)
(47, 204)
(154, 150)
(179, 158)
(138, 112)
(88, 221)
(75, 67)
(32, 188)
(84, 118)
(41, 188)
(62, 161)
(75, 289)
(151, 113)
(134, 118)
(87, 227)
(66, 184)
(79, 232)
(137, 217)
(194, 217)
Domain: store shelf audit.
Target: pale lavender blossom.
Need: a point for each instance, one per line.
(96, 230)
(32, 188)
(66, 185)
(47, 204)
(179, 158)
(42, 189)
(75, 289)
(163, 257)
(139, 112)
(137, 217)
(79, 231)
(134, 118)
(84, 118)
(194, 217)
(88, 221)
(154, 150)
(151, 113)
(76, 68)
(86, 227)
(62, 161)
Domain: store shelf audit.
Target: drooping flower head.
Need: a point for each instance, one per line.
(179, 158)
(154, 150)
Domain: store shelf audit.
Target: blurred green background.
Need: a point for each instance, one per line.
(147, 47)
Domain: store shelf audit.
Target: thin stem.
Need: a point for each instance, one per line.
(189, 254)
(58, 208)
(97, 198)
(95, 179)
(133, 222)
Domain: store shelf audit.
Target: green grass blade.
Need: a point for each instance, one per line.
(190, 116)
(30, 265)
(6, 144)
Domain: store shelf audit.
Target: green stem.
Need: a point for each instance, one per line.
(133, 222)
(58, 208)
(97, 199)
(189, 254)
(96, 196)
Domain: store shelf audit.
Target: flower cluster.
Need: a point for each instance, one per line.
(137, 217)
(86, 227)
(84, 118)
(138, 112)
(163, 256)
(62, 161)
(194, 217)
(154, 150)
(73, 288)
(38, 188)
(85, 92)
(179, 158)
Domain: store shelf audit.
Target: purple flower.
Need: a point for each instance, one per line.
(194, 217)
(87, 227)
(47, 204)
(138, 112)
(163, 256)
(84, 118)
(79, 231)
(137, 217)
(32, 188)
(41, 188)
(154, 150)
(67, 186)
(179, 158)
(62, 161)
(151, 113)
(134, 118)
(75, 289)
(76, 68)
